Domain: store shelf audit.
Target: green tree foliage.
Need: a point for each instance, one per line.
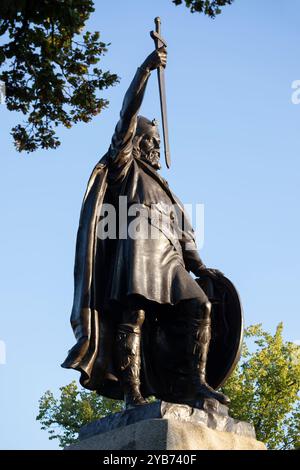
(264, 390)
(50, 68)
(208, 7)
(63, 417)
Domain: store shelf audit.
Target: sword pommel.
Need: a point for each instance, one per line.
(157, 22)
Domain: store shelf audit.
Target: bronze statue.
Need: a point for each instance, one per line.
(142, 322)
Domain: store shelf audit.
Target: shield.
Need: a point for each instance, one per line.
(226, 330)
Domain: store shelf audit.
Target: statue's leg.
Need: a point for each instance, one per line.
(199, 317)
(129, 356)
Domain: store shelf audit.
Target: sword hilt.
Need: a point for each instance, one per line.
(157, 22)
(158, 40)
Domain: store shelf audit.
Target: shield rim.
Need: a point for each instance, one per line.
(239, 338)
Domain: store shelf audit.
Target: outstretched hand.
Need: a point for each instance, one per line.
(157, 58)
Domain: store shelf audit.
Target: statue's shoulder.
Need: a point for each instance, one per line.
(103, 162)
(102, 165)
(98, 175)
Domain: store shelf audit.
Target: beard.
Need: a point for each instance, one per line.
(152, 157)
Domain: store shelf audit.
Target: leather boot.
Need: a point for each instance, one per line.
(129, 358)
(200, 334)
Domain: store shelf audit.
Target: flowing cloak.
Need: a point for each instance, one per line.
(155, 269)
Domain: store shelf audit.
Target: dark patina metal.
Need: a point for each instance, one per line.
(160, 42)
(144, 326)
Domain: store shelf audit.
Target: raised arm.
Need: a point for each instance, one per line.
(121, 144)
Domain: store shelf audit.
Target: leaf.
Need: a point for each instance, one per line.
(45, 64)
(264, 390)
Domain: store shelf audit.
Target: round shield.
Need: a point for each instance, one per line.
(226, 329)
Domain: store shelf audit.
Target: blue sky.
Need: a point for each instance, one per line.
(234, 137)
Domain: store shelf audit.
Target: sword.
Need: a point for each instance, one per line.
(159, 42)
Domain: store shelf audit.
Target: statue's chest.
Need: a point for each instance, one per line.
(145, 189)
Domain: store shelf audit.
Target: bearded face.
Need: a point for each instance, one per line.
(150, 149)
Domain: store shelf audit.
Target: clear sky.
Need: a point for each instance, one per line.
(234, 136)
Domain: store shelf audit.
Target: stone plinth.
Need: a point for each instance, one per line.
(169, 426)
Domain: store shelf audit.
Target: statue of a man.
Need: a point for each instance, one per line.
(130, 291)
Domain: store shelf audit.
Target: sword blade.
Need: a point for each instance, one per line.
(163, 106)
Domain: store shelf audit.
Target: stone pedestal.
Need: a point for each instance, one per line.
(169, 426)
